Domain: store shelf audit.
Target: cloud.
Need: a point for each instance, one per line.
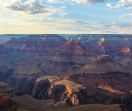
(35, 11)
(126, 15)
(121, 3)
(30, 6)
(55, 1)
(78, 26)
(87, 1)
(45, 7)
(119, 28)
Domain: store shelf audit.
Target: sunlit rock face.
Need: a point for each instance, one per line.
(67, 91)
(104, 86)
(61, 90)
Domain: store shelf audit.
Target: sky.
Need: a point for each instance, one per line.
(65, 16)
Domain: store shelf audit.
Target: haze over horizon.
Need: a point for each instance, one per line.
(65, 16)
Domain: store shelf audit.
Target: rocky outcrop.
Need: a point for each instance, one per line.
(67, 91)
(61, 90)
(43, 87)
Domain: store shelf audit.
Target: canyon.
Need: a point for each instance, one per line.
(76, 73)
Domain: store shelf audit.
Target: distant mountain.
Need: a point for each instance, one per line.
(36, 43)
(6, 37)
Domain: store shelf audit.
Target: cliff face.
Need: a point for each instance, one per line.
(22, 84)
(67, 91)
(43, 87)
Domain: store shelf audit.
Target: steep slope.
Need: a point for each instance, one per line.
(43, 87)
(104, 64)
